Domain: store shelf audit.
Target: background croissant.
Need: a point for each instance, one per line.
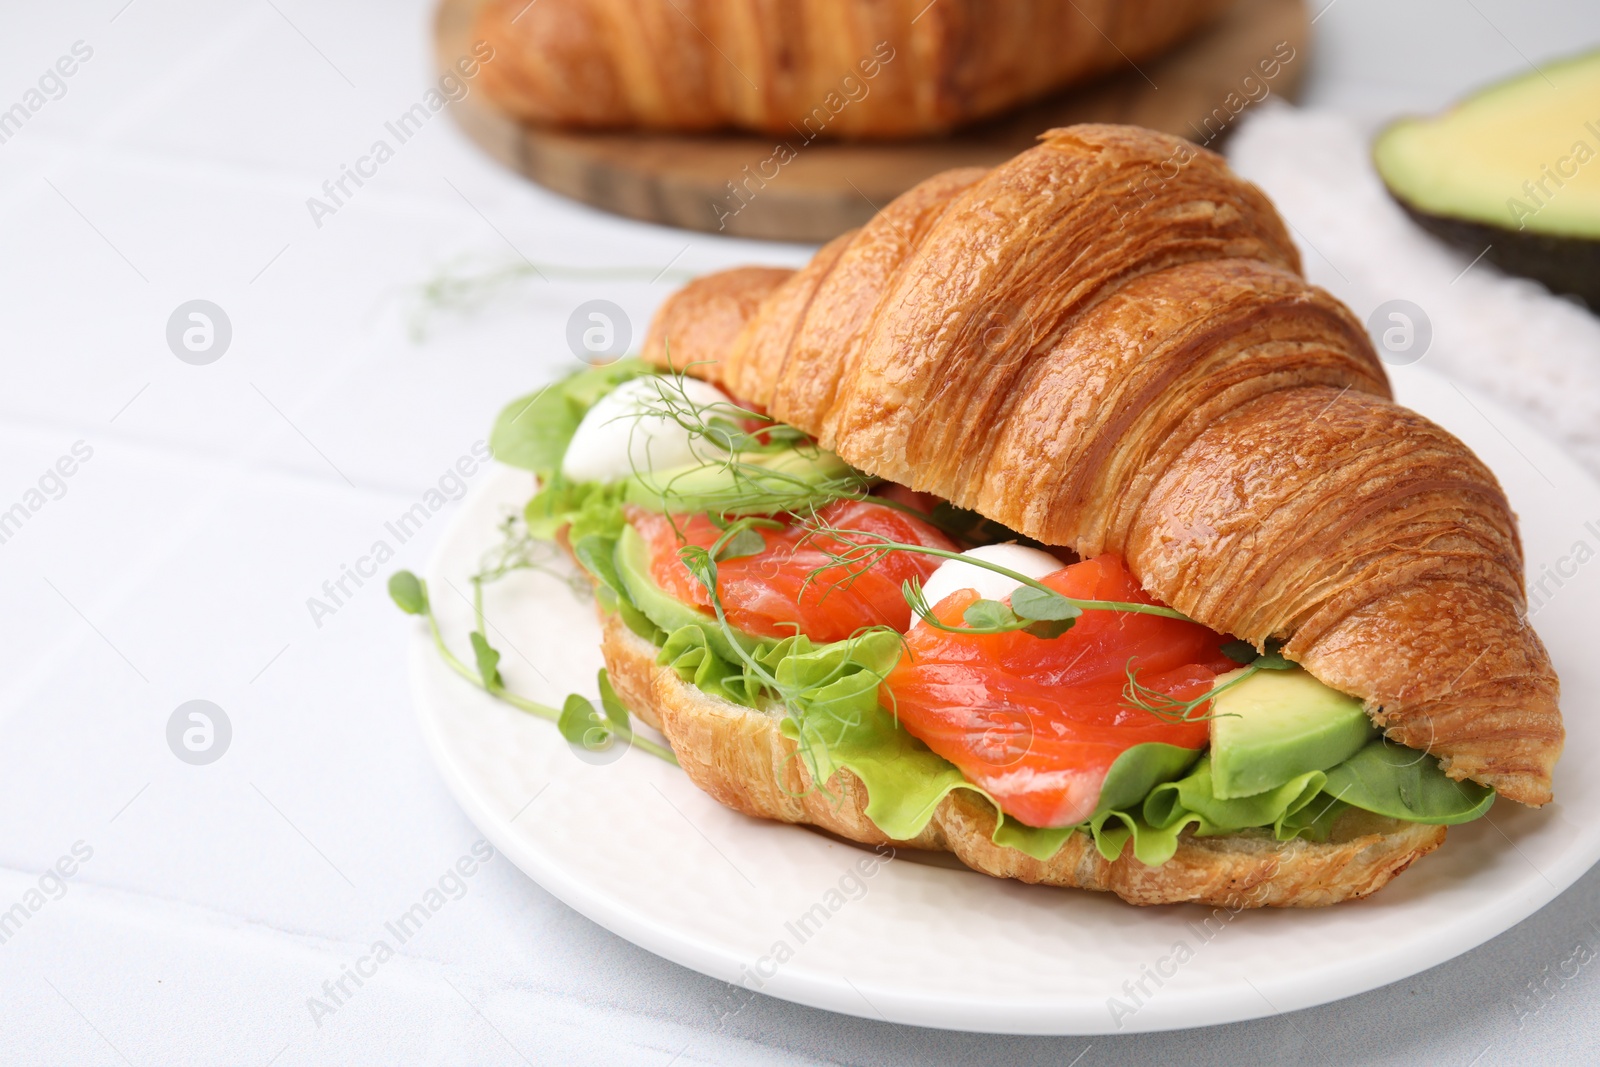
(1106, 344)
(834, 68)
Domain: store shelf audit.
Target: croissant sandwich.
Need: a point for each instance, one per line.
(1052, 519)
(819, 68)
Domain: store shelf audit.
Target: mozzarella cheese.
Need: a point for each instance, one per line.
(953, 575)
(628, 431)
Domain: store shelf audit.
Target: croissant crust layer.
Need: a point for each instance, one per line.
(803, 69)
(1106, 344)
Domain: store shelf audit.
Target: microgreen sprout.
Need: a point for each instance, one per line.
(410, 594)
(594, 730)
(518, 550)
(742, 537)
(1043, 616)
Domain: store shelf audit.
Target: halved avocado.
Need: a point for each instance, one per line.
(1514, 168)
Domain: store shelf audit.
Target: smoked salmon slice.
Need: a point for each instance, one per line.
(767, 594)
(1038, 722)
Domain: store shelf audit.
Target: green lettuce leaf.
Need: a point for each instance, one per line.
(1131, 778)
(845, 727)
(1406, 784)
(593, 530)
(1139, 770)
(1113, 830)
(1190, 800)
(1173, 806)
(598, 553)
(839, 723)
(594, 507)
(1314, 822)
(688, 653)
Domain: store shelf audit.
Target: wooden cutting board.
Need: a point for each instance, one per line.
(1196, 91)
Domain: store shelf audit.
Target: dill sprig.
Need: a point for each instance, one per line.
(577, 718)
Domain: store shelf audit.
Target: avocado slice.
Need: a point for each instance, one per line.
(1514, 167)
(1276, 725)
(660, 606)
(762, 483)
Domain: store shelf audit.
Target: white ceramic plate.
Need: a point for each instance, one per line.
(779, 909)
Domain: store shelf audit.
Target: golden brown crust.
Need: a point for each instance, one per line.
(807, 68)
(1105, 344)
(700, 324)
(1387, 554)
(739, 757)
(813, 353)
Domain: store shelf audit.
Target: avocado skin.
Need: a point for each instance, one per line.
(1565, 264)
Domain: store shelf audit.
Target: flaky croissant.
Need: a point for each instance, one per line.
(1106, 344)
(828, 68)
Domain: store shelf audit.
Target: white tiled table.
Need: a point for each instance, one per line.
(178, 559)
